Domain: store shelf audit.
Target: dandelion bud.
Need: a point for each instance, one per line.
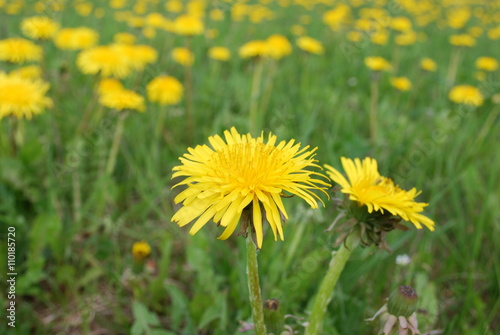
(402, 302)
(273, 317)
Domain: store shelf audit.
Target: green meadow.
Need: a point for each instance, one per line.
(75, 224)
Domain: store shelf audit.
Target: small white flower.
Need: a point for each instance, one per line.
(403, 260)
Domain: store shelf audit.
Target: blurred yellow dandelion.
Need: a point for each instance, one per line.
(22, 97)
(76, 38)
(278, 46)
(428, 64)
(183, 56)
(310, 45)
(219, 53)
(165, 90)
(377, 64)
(467, 95)
(188, 25)
(39, 27)
(141, 250)
(487, 64)
(19, 50)
(108, 61)
(401, 83)
(256, 48)
(122, 100)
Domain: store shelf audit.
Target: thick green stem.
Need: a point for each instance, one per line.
(254, 288)
(253, 113)
(325, 292)
(110, 166)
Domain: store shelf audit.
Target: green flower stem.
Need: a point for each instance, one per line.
(110, 166)
(337, 263)
(373, 108)
(486, 128)
(455, 60)
(254, 288)
(253, 113)
(13, 135)
(188, 84)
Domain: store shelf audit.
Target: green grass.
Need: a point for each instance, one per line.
(75, 227)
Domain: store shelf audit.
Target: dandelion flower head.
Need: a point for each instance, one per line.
(365, 186)
(377, 64)
(165, 90)
(244, 172)
(39, 27)
(467, 95)
(22, 97)
(310, 45)
(19, 50)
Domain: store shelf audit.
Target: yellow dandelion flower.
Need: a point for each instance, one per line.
(401, 24)
(122, 100)
(155, 20)
(463, 40)
(377, 64)
(244, 172)
(310, 45)
(428, 64)
(407, 38)
(173, 6)
(28, 72)
(141, 250)
(365, 186)
(183, 56)
(467, 95)
(219, 53)
(487, 64)
(138, 55)
(380, 38)
(107, 85)
(22, 97)
(216, 15)
(494, 33)
(76, 38)
(124, 38)
(278, 46)
(39, 27)
(336, 18)
(401, 83)
(165, 90)
(19, 50)
(84, 8)
(109, 61)
(256, 48)
(188, 25)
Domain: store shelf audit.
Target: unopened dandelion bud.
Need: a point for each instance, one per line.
(140, 251)
(273, 317)
(402, 302)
